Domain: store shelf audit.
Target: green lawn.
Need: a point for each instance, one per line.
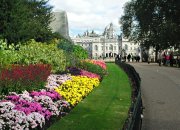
(105, 108)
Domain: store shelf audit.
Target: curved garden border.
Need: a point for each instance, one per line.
(134, 121)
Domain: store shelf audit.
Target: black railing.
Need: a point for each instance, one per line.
(133, 122)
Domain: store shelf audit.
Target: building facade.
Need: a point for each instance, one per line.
(132, 48)
(100, 46)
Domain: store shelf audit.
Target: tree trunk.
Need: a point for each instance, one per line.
(156, 53)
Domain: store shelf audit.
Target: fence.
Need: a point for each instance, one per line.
(134, 121)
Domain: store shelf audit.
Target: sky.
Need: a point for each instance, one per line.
(90, 14)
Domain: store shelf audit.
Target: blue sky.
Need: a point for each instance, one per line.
(90, 14)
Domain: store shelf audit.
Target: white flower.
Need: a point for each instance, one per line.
(25, 96)
(35, 118)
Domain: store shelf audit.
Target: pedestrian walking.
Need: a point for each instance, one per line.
(129, 57)
(171, 58)
(159, 58)
(164, 58)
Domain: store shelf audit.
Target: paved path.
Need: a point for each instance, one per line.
(161, 96)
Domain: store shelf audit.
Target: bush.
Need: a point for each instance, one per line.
(92, 68)
(36, 52)
(19, 78)
(8, 54)
(80, 52)
(32, 52)
(74, 53)
(81, 72)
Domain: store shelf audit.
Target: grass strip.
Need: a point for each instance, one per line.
(105, 108)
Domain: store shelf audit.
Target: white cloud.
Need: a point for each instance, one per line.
(90, 14)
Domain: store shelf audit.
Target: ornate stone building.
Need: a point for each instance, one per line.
(99, 46)
(131, 48)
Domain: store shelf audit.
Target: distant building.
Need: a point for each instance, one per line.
(108, 44)
(129, 47)
(60, 23)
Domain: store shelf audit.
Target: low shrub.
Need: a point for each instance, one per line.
(19, 78)
(92, 68)
(35, 52)
(74, 53)
(81, 72)
(55, 80)
(100, 63)
(32, 110)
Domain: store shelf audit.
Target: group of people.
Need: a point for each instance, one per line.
(129, 58)
(165, 58)
(132, 58)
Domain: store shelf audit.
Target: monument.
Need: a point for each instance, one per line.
(60, 23)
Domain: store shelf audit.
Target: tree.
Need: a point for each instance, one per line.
(22, 20)
(152, 23)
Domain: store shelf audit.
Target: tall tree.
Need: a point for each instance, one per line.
(153, 23)
(22, 20)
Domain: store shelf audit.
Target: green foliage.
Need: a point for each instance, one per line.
(73, 52)
(92, 68)
(153, 23)
(65, 45)
(22, 20)
(80, 52)
(36, 52)
(8, 54)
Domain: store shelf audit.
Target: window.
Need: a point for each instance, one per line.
(96, 47)
(111, 47)
(115, 48)
(102, 48)
(126, 47)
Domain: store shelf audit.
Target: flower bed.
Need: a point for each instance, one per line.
(35, 108)
(81, 72)
(76, 89)
(18, 78)
(30, 110)
(100, 63)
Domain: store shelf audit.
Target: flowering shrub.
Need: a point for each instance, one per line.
(88, 66)
(52, 94)
(54, 81)
(30, 110)
(81, 72)
(100, 63)
(76, 89)
(18, 120)
(19, 78)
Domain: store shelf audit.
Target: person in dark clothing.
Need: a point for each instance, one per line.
(164, 58)
(125, 58)
(129, 57)
(138, 58)
(171, 59)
